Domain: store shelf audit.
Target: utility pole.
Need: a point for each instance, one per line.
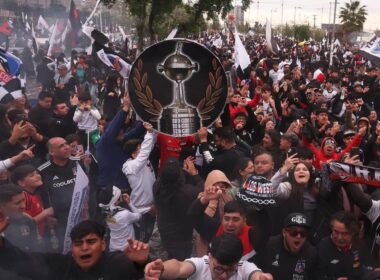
(314, 17)
(295, 12)
(333, 34)
(321, 15)
(258, 5)
(330, 13)
(282, 15)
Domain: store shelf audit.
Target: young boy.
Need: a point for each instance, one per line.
(119, 220)
(86, 116)
(29, 180)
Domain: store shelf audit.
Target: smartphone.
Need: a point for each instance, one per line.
(355, 151)
(80, 149)
(291, 151)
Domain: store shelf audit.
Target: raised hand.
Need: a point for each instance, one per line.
(25, 154)
(137, 251)
(211, 193)
(289, 163)
(153, 270)
(74, 101)
(362, 131)
(189, 167)
(202, 134)
(18, 131)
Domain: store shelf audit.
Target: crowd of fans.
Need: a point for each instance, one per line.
(246, 198)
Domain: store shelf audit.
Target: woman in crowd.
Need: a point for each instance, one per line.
(173, 197)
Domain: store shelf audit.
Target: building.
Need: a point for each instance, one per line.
(239, 14)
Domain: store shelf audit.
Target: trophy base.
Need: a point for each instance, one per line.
(179, 122)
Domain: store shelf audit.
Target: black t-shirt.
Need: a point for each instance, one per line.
(22, 232)
(39, 266)
(57, 191)
(286, 266)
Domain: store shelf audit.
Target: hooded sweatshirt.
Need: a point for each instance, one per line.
(214, 177)
(321, 158)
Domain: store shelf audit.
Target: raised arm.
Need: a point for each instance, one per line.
(171, 269)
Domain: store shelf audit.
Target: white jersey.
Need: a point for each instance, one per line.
(140, 174)
(121, 228)
(202, 269)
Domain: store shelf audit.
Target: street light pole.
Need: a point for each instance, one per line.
(333, 34)
(282, 15)
(295, 12)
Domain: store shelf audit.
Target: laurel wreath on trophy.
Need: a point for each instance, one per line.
(144, 92)
(213, 91)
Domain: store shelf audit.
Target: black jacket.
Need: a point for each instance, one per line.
(40, 266)
(284, 265)
(333, 263)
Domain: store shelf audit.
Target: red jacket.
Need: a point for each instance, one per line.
(320, 158)
(248, 250)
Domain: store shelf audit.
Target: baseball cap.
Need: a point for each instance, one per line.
(349, 132)
(296, 219)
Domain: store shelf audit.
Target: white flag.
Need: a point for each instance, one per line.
(121, 30)
(77, 202)
(42, 24)
(92, 13)
(241, 56)
(172, 34)
(268, 34)
(52, 39)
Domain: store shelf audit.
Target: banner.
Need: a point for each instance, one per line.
(372, 52)
(354, 173)
(77, 203)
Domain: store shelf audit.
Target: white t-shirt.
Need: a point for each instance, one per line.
(121, 228)
(329, 94)
(202, 269)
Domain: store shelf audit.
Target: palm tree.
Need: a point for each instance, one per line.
(353, 16)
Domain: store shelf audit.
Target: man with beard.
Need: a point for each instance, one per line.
(290, 255)
(59, 175)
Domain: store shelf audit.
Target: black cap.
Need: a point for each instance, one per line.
(296, 219)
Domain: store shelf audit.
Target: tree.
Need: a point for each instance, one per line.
(302, 32)
(150, 15)
(353, 16)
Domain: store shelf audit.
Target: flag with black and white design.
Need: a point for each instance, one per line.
(10, 84)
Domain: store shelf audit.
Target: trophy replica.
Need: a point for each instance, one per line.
(179, 118)
(178, 86)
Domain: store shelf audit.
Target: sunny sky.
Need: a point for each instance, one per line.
(305, 11)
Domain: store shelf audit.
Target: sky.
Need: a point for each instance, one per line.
(305, 11)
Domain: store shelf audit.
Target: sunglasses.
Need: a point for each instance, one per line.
(330, 142)
(295, 233)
